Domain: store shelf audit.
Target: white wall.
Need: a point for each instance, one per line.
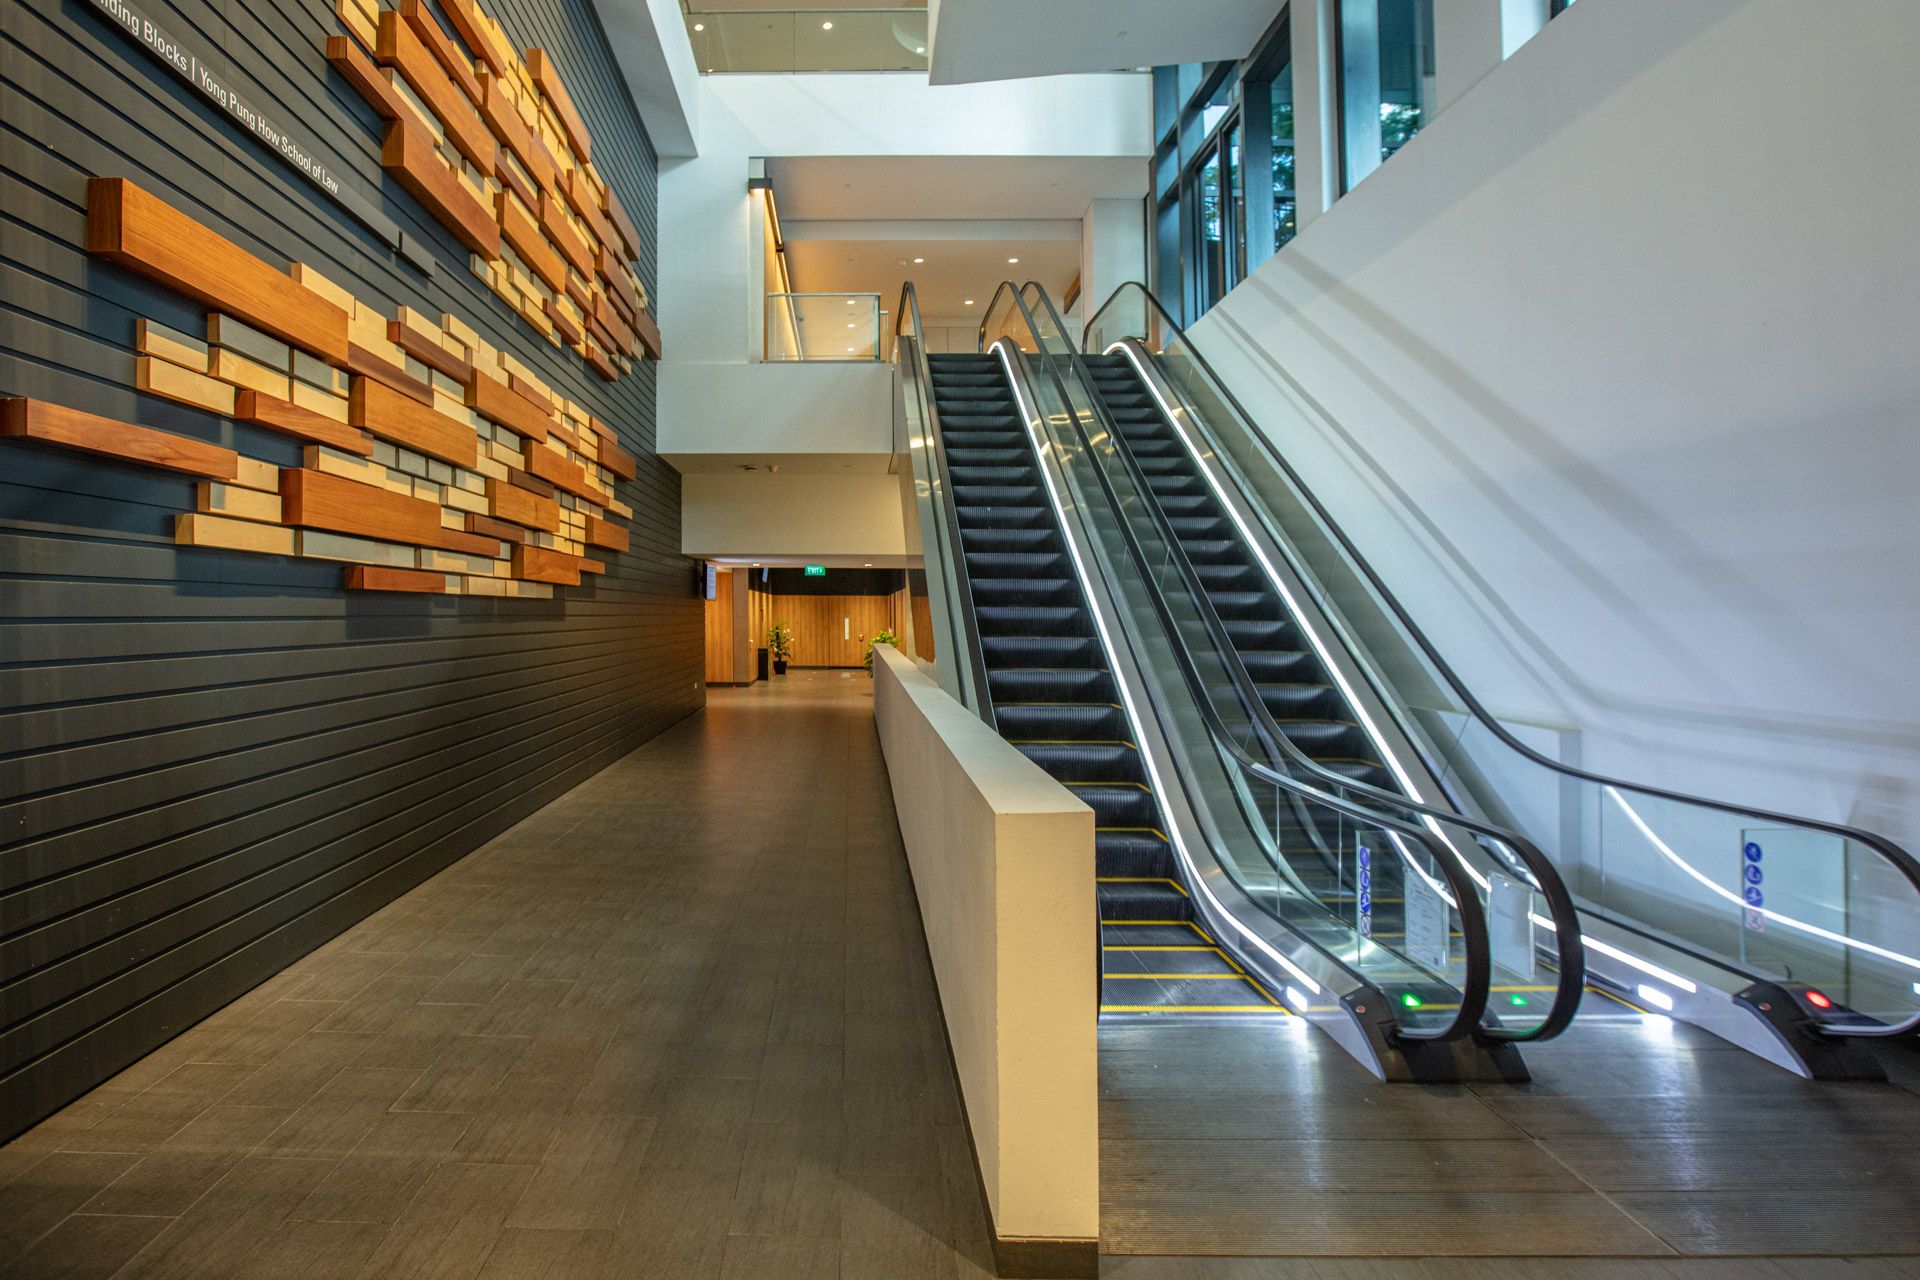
(1113, 250)
(1002, 859)
(1611, 371)
(792, 514)
(833, 414)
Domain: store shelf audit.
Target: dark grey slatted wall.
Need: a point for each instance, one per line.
(211, 762)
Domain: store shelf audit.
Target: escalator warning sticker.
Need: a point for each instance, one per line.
(1364, 856)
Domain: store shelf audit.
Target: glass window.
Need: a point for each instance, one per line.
(1236, 208)
(1280, 141)
(1386, 74)
(1209, 223)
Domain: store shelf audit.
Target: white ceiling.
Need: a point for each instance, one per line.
(872, 187)
(976, 40)
(954, 272)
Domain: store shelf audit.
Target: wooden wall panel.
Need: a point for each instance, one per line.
(718, 622)
(832, 631)
(337, 747)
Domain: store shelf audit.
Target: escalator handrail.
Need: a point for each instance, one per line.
(1474, 998)
(950, 519)
(1896, 855)
(1568, 945)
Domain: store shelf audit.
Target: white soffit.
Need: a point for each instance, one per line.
(954, 273)
(842, 188)
(976, 40)
(649, 41)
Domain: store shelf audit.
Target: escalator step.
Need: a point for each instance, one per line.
(1060, 721)
(1018, 684)
(1018, 564)
(1029, 620)
(1154, 899)
(1132, 853)
(1245, 605)
(1059, 592)
(993, 538)
(1042, 651)
(1005, 517)
(1282, 666)
(1074, 762)
(1121, 806)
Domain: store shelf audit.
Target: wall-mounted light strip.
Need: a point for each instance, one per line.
(1029, 417)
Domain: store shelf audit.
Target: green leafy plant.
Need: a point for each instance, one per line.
(880, 637)
(780, 641)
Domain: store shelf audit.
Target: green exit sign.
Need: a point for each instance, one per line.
(816, 571)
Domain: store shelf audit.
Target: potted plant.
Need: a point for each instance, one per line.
(780, 646)
(880, 637)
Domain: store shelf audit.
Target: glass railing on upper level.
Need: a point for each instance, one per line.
(823, 326)
(768, 40)
(1819, 913)
(1537, 976)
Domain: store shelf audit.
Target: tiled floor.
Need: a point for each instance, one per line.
(680, 1024)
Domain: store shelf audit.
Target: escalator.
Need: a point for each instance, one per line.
(1789, 936)
(1228, 883)
(1051, 694)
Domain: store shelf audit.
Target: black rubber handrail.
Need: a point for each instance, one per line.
(923, 375)
(1569, 948)
(1478, 960)
(1894, 854)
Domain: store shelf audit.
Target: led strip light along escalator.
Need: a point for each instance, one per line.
(1028, 418)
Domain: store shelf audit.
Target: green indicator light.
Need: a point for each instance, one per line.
(1411, 1000)
(1520, 1001)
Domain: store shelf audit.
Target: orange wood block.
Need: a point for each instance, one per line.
(401, 48)
(604, 533)
(143, 233)
(320, 500)
(472, 544)
(351, 62)
(511, 180)
(629, 234)
(488, 527)
(496, 401)
(560, 473)
(505, 121)
(532, 484)
(510, 502)
(619, 283)
(618, 460)
(538, 564)
(524, 235)
(581, 290)
(521, 387)
(597, 360)
(586, 202)
(591, 566)
(289, 419)
(374, 406)
(24, 419)
(571, 246)
(648, 334)
(566, 436)
(457, 65)
(568, 327)
(617, 331)
(547, 76)
(407, 153)
(428, 352)
(382, 370)
(466, 20)
(369, 577)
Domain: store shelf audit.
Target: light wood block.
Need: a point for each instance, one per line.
(620, 509)
(320, 403)
(251, 473)
(471, 24)
(242, 339)
(158, 377)
(196, 529)
(376, 407)
(318, 374)
(465, 501)
(318, 545)
(136, 230)
(171, 345)
(359, 470)
(229, 366)
(37, 420)
(529, 590)
(454, 562)
(236, 503)
(364, 577)
(308, 278)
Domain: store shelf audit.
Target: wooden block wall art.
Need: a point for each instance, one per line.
(491, 143)
(433, 461)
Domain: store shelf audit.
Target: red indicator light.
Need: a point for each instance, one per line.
(1817, 1000)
